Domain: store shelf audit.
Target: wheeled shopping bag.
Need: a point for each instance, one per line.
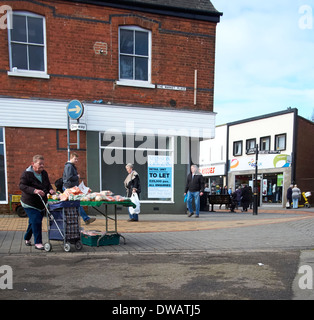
(63, 224)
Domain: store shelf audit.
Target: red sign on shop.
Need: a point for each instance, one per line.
(207, 170)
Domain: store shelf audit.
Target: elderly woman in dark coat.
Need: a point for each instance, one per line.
(132, 185)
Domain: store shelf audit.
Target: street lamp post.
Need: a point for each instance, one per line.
(255, 203)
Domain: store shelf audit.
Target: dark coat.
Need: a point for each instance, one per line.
(195, 184)
(289, 194)
(28, 184)
(133, 183)
(70, 176)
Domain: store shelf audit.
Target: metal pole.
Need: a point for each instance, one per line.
(78, 136)
(68, 137)
(255, 204)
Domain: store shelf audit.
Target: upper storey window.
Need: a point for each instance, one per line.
(135, 57)
(27, 45)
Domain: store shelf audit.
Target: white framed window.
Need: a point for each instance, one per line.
(135, 57)
(3, 176)
(27, 45)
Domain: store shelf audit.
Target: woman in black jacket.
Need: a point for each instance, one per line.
(34, 182)
(132, 185)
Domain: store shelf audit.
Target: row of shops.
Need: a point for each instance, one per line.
(229, 160)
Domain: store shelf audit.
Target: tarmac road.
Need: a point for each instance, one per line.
(162, 276)
(219, 256)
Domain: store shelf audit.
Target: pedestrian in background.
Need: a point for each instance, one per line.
(296, 194)
(289, 196)
(245, 198)
(194, 189)
(71, 179)
(34, 183)
(239, 196)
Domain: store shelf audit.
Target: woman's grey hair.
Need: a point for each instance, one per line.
(130, 165)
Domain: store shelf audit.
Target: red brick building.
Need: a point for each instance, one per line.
(144, 70)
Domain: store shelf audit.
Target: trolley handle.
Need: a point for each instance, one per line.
(48, 212)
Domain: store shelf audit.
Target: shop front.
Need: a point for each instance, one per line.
(269, 185)
(273, 177)
(160, 155)
(215, 177)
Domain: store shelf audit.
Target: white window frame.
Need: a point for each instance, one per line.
(5, 168)
(138, 83)
(22, 72)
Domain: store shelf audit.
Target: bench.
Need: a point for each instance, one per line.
(219, 199)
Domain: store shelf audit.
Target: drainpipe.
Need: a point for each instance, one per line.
(294, 146)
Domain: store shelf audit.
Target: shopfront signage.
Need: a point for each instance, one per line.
(265, 161)
(215, 170)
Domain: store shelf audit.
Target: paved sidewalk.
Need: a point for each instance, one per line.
(272, 228)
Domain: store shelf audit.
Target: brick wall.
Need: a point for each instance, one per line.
(78, 70)
(22, 144)
(75, 33)
(305, 156)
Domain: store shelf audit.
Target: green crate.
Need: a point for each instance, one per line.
(107, 240)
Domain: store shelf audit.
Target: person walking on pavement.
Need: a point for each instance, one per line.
(194, 189)
(71, 179)
(34, 183)
(296, 194)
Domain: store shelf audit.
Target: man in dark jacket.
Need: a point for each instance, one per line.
(34, 182)
(71, 179)
(194, 188)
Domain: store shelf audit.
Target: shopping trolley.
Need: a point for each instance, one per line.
(63, 224)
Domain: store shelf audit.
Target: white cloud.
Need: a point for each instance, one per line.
(264, 60)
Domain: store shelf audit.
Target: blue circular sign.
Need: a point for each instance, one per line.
(75, 109)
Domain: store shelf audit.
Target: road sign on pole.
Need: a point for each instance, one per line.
(75, 109)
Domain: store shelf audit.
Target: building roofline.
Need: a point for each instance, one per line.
(264, 116)
(156, 8)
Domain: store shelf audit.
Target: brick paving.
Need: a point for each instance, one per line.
(270, 229)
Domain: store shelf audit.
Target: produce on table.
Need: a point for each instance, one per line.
(76, 194)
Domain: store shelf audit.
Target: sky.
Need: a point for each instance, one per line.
(264, 58)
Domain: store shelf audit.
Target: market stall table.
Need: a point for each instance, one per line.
(98, 204)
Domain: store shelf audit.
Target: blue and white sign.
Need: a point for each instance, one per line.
(159, 172)
(75, 109)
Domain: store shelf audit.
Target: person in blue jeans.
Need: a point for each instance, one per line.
(71, 179)
(34, 183)
(194, 189)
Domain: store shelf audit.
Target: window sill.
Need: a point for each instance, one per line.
(29, 74)
(141, 84)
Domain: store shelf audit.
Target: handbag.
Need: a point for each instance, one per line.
(136, 201)
(287, 204)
